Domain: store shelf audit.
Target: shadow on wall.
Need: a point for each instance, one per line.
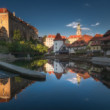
(3, 34)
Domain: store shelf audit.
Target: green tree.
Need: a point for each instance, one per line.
(17, 35)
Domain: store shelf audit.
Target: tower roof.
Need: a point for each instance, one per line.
(58, 37)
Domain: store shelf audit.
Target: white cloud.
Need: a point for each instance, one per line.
(85, 29)
(73, 25)
(97, 24)
(73, 80)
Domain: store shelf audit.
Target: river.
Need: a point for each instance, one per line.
(68, 86)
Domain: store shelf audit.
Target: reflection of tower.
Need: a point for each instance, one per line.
(78, 79)
(78, 30)
(5, 92)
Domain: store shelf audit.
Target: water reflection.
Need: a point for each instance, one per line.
(81, 71)
(10, 87)
(73, 72)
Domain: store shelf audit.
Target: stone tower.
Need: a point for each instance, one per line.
(78, 30)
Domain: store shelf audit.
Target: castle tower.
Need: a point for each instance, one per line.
(78, 79)
(78, 30)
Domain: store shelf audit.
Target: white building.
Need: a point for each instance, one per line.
(58, 67)
(58, 43)
(49, 68)
(49, 42)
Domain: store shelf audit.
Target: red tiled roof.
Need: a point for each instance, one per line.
(58, 37)
(97, 37)
(58, 75)
(85, 38)
(71, 71)
(51, 36)
(74, 36)
(85, 75)
(83, 41)
(3, 10)
(63, 37)
(51, 72)
(96, 40)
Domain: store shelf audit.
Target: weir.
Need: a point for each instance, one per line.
(21, 71)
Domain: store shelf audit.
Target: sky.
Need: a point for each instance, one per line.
(62, 16)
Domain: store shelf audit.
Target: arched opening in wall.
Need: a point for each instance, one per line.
(4, 81)
(3, 34)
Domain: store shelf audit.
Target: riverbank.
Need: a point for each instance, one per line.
(12, 58)
(21, 71)
(7, 57)
(105, 61)
(69, 57)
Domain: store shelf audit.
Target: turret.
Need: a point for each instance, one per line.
(78, 30)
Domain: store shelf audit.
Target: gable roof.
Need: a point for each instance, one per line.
(97, 37)
(58, 75)
(85, 38)
(58, 37)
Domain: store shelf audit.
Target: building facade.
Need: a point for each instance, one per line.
(9, 23)
(106, 43)
(94, 45)
(58, 42)
(49, 41)
(80, 45)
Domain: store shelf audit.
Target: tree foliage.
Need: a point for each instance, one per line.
(17, 35)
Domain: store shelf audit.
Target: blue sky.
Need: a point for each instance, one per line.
(62, 16)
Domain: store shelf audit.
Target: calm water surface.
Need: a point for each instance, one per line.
(68, 86)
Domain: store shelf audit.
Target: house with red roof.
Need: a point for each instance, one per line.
(59, 45)
(106, 43)
(49, 42)
(80, 45)
(72, 38)
(94, 45)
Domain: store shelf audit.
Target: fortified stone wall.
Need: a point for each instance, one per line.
(9, 23)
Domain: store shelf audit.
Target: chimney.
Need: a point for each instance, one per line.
(13, 13)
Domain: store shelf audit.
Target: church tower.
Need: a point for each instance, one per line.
(78, 30)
